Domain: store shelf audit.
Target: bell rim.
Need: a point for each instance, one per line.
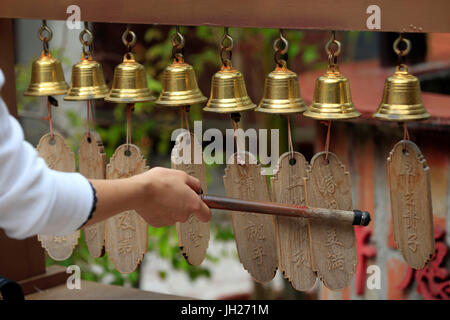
(45, 93)
(282, 111)
(298, 107)
(84, 98)
(250, 107)
(179, 103)
(336, 116)
(405, 118)
(129, 100)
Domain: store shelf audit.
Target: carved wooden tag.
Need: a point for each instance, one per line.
(293, 233)
(92, 165)
(193, 235)
(412, 217)
(254, 233)
(58, 156)
(333, 245)
(126, 234)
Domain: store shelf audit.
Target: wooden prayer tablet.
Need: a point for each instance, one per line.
(254, 233)
(193, 235)
(293, 233)
(58, 156)
(333, 245)
(92, 165)
(412, 218)
(126, 234)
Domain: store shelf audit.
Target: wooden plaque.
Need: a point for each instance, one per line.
(58, 156)
(412, 218)
(333, 245)
(92, 165)
(126, 234)
(293, 233)
(193, 235)
(254, 233)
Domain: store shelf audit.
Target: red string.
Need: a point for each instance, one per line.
(49, 118)
(235, 127)
(186, 118)
(291, 146)
(405, 131)
(327, 141)
(92, 113)
(88, 106)
(182, 119)
(130, 108)
(405, 134)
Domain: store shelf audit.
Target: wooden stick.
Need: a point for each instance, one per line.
(355, 217)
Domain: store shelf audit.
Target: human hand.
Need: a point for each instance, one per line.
(166, 196)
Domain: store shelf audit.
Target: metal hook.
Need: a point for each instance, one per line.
(280, 53)
(396, 44)
(128, 32)
(225, 50)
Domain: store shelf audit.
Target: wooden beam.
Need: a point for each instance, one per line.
(396, 16)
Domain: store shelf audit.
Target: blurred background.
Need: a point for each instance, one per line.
(367, 59)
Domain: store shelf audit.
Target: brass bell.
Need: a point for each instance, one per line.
(129, 82)
(87, 81)
(47, 77)
(228, 92)
(332, 98)
(281, 93)
(402, 100)
(179, 86)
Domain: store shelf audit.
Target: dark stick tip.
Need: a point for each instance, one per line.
(365, 219)
(362, 218)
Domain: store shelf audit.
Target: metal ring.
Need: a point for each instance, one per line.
(180, 43)
(396, 48)
(285, 42)
(129, 44)
(41, 36)
(328, 47)
(226, 36)
(226, 59)
(90, 37)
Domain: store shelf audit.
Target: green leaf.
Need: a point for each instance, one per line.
(310, 54)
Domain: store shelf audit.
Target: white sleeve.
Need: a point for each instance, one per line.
(33, 198)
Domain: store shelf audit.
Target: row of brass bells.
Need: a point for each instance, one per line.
(228, 92)
(47, 77)
(179, 86)
(402, 99)
(332, 99)
(88, 81)
(281, 93)
(129, 82)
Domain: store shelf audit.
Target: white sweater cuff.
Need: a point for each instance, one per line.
(72, 202)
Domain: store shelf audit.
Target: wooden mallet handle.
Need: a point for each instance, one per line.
(355, 217)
